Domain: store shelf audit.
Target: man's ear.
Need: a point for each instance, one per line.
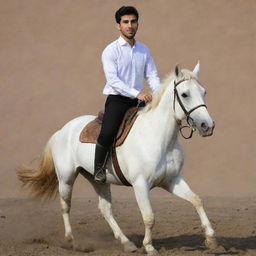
(118, 26)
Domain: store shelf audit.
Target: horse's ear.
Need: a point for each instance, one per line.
(197, 69)
(177, 70)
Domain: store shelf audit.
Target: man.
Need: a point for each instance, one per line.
(126, 63)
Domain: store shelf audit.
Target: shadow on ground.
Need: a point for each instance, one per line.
(196, 242)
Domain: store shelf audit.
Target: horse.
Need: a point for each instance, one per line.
(151, 156)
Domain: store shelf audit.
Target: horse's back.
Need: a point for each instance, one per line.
(73, 128)
(66, 140)
(77, 123)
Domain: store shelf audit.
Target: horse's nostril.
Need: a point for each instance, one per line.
(204, 126)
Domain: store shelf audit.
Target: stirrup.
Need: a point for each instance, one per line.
(100, 176)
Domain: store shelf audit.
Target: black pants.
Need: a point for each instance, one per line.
(115, 109)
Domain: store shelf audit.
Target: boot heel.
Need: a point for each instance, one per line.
(100, 176)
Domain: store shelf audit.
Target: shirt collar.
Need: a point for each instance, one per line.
(122, 42)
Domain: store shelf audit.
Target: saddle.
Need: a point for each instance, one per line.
(91, 131)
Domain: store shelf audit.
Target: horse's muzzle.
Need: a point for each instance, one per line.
(206, 130)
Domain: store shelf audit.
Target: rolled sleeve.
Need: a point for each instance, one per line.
(151, 74)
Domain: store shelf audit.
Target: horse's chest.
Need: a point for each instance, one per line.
(170, 165)
(174, 163)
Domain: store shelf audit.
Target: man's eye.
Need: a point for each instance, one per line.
(184, 95)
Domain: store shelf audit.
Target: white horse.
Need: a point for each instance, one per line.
(150, 157)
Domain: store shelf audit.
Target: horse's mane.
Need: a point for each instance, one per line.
(158, 94)
(164, 84)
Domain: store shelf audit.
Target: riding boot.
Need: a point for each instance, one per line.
(101, 155)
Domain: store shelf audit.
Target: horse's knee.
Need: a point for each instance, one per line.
(196, 201)
(65, 205)
(104, 207)
(149, 220)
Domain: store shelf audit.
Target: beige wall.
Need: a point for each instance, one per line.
(50, 72)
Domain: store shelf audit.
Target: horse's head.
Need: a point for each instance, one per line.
(189, 102)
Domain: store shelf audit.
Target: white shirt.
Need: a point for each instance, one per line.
(125, 68)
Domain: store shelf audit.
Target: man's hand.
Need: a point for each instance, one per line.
(147, 97)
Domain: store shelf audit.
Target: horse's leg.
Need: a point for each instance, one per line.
(141, 190)
(181, 189)
(105, 206)
(65, 191)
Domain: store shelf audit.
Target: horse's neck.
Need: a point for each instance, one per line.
(161, 120)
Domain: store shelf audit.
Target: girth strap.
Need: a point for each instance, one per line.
(118, 169)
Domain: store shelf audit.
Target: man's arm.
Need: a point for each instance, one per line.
(151, 74)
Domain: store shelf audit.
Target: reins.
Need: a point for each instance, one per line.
(189, 119)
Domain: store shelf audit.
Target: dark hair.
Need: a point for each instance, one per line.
(125, 10)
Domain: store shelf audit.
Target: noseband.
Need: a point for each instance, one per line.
(189, 119)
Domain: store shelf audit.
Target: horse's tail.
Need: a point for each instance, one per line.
(42, 181)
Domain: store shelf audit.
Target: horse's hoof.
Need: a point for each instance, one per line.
(153, 253)
(84, 248)
(210, 242)
(68, 244)
(130, 247)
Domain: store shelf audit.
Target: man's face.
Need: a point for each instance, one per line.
(128, 26)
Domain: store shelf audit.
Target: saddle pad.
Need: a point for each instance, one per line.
(91, 131)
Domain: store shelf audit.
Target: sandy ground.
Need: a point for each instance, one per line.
(30, 228)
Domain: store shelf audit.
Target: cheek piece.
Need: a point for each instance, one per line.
(189, 119)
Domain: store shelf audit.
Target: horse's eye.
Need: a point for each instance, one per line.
(184, 95)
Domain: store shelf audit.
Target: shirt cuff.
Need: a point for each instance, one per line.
(133, 92)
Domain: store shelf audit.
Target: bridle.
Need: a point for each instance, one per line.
(189, 119)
